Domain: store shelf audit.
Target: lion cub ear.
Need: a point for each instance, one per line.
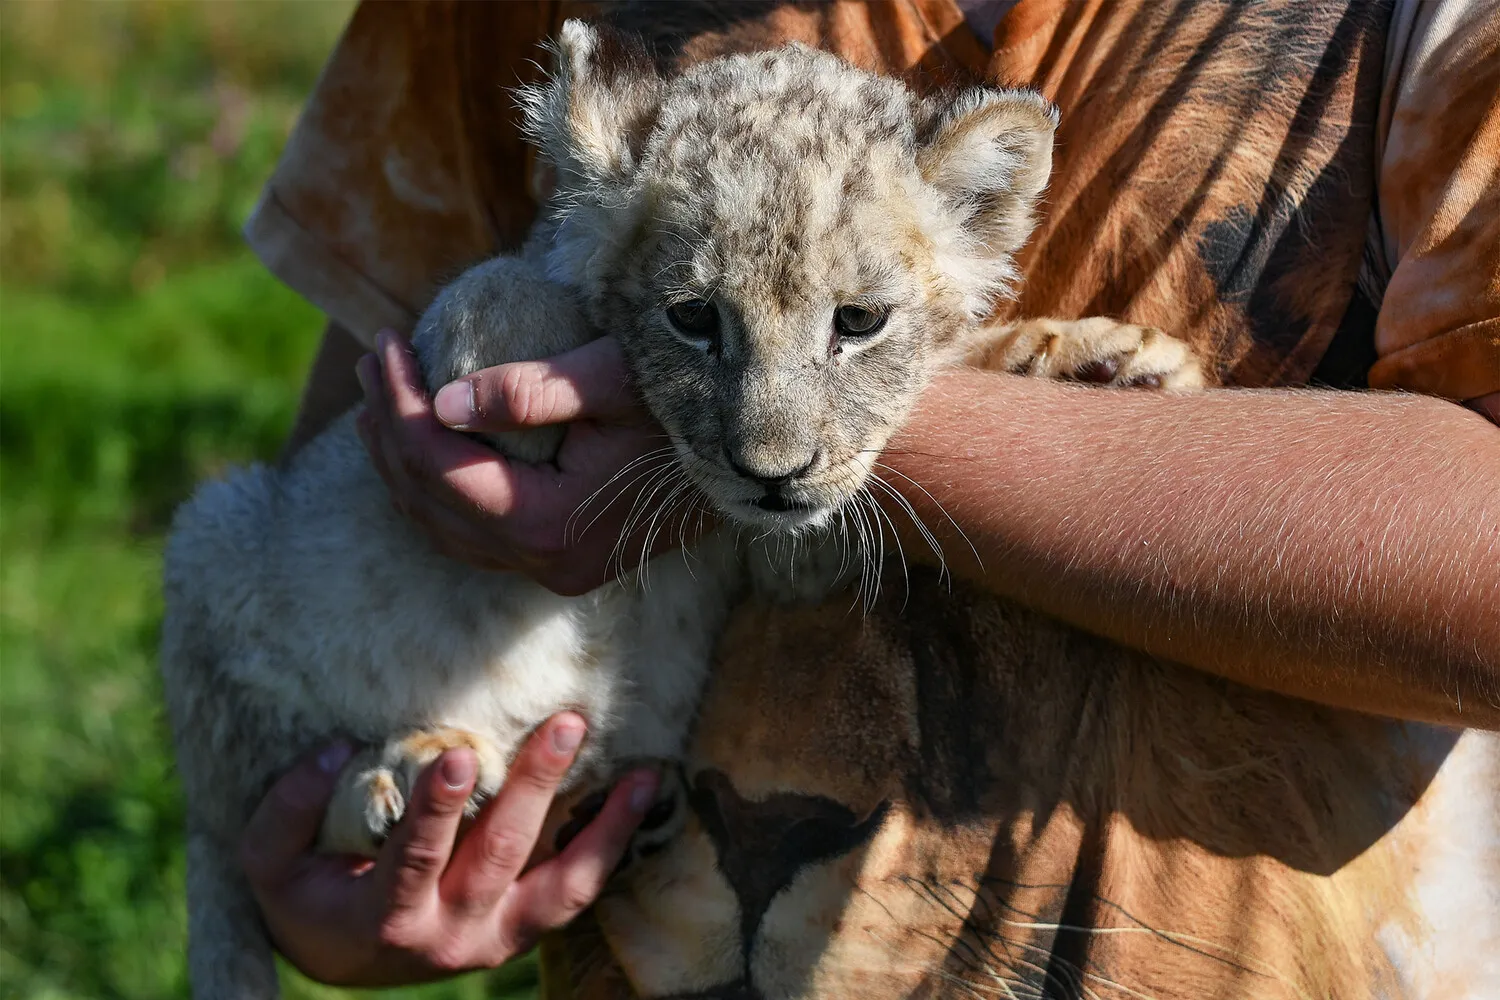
(592, 115)
(989, 152)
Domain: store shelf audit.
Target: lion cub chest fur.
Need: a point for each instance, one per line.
(787, 248)
(305, 593)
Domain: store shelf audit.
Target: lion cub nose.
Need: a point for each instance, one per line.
(772, 480)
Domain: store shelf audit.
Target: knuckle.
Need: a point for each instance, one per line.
(450, 953)
(397, 932)
(577, 893)
(463, 899)
(505, 850)
(542, 773)
(519, 938)
(518, 390)
(423, 858)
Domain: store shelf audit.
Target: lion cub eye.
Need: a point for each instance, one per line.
(857, 321)
(694, 318)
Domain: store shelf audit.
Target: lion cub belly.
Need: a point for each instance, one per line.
(334, 618)
(495, 663)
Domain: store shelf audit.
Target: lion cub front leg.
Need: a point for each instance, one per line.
(375, 786)
(1099, 350)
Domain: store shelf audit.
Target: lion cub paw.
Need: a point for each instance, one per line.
(375, 786)
(662, 823)
(1097, 350)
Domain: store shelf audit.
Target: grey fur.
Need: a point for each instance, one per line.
(780, 185)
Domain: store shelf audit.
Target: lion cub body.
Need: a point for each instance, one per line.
(768, 196)
(302, 608)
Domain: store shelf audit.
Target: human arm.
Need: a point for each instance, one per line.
(429, 908)
(1340, 547)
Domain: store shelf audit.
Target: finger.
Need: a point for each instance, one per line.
(375, 425)
(1489, 406)
(503, 514)
(425, 470)
(404, 385)
(556, 891)
(382, 444)
(379, 419)
(384, 436)
(285, 824)
(495, 851)
(589, 381)
(414, 858)
(367, 372)
(401, 415)
(425, 459)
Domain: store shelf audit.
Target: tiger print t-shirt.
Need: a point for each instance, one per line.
(1309, 191)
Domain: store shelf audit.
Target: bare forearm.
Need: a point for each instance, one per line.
(1336, 546)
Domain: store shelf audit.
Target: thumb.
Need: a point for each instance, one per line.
(285, 824)
(589, 381)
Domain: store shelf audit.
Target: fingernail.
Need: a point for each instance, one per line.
(567, 735)
(332, 760)
(454, 403)
(382, 341)
(458, 768)
(366, 371)
(644, 792)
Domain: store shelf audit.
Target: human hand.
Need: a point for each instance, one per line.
(482, 508)
(1489, 406)
(427, 908)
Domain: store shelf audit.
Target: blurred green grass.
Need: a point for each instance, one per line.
(141, 348)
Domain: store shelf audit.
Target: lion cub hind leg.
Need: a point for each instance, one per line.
(375, 786)
(1099, 350)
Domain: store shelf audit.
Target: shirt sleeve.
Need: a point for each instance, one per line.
(407, 163)
(1438, 330)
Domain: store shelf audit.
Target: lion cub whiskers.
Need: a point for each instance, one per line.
(787, 248)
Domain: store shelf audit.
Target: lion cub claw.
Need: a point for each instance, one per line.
(375, 786)
(1097, 350)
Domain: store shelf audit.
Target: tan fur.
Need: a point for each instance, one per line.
(783, 186)
(968, 799)
(779, 188)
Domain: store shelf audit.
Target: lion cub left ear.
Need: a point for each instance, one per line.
(592, 116)
(989, 152)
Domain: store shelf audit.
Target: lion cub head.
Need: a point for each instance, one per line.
(786, 246)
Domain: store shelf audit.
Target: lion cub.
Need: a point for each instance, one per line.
(787, 248)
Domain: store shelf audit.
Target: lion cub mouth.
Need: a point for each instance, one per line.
(777, 511)
(780, 503)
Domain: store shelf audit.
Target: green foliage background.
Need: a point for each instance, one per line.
(141, 348)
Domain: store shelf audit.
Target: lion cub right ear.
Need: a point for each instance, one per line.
(592, 115)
